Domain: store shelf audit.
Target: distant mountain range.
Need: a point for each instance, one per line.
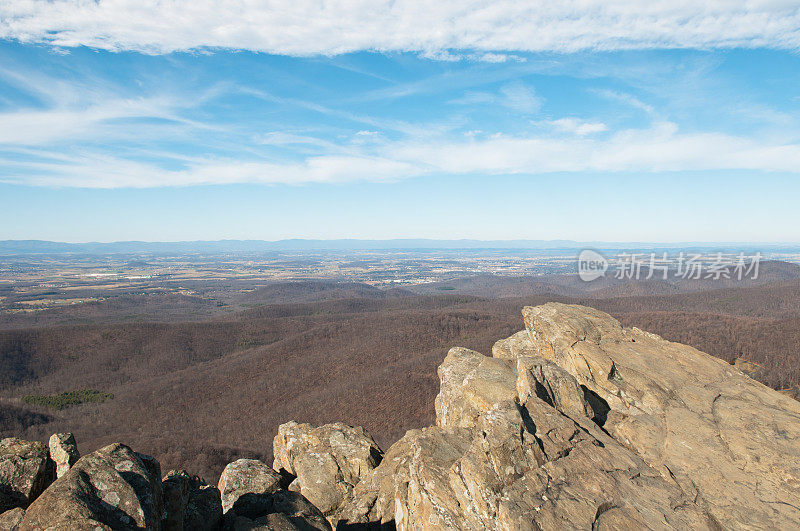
(13, 247)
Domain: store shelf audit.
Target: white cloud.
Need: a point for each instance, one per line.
(304, 27)
(91, 109)
(627, 99)
(29, 127)
(521, 98)
(516, 96)
(578, 127)
(112, 172)
(483, 57)
(660, 148)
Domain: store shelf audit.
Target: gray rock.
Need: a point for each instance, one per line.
(63, 451)
(274, 522)
(328, 461)
(190, 503)
(246, 486)
(25, 471)
(252, 498)
(299, 511)
(112, 488)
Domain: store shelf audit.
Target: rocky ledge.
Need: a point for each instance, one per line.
(574, 422)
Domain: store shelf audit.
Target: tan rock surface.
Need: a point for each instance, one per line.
(11, 519)
(470, 384)
(517, 346)
(63, 452)
(328, 461)
(729, 441)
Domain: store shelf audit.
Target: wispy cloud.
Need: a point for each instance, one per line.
(659, 148)
(485, 57)
(578, 127)
(103, 171)
(83, 109)
(516, 96)
(304, 27)
(656, 149)
(626, 99)
(521, 98)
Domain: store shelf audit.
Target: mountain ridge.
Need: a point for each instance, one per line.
(11, 247)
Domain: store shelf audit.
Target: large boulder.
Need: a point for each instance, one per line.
(253, 498)
(292, 511)
(112, 488)
(730, 442)
(25, 471)
(247, 485)
(470, 384)
(63, 452)
(327, 461)
(546, 380)
(373, 500)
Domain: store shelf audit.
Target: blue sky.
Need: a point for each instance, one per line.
(382, 129)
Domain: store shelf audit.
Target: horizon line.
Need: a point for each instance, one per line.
(404, 239)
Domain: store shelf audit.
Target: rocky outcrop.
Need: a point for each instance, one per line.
(498, 461)
(112, 488)
(579, 423)
(63, 452)
(117, 488)
(731, 443)
(327, 461)
(573, 423)
(25, 471)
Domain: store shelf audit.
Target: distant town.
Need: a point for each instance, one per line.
(35, 281)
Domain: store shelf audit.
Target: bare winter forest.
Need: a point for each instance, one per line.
(196, 387)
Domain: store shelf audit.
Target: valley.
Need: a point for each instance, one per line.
(199, 379)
